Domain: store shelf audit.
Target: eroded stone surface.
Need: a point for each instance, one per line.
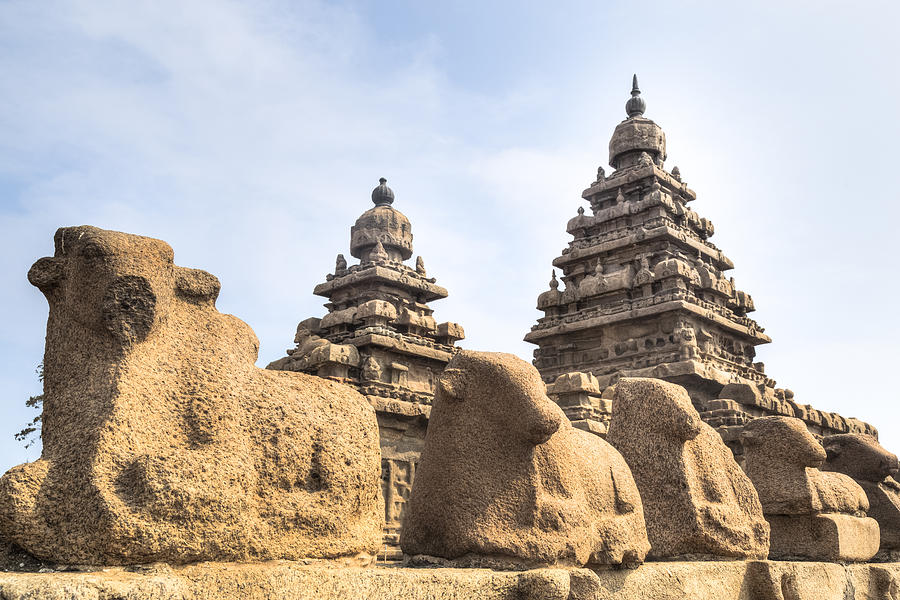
(162, 441)
(504, 473)
(696, 498)
(711, 580)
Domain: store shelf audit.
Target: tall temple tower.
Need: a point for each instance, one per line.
(380, 337)
(646, 295)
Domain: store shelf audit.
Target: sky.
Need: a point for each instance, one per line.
(249, 136)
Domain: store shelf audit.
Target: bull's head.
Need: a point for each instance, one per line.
(804, 449)
(116, 283)
(504, 389)
(860, 457)
(658, 406)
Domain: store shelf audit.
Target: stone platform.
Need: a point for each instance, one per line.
(281, 580)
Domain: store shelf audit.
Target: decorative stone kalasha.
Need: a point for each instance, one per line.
(380, 337)
(162, 441)
(505, 475)
(814, 515)
(873, 468)
(646, 295)
(697, 501)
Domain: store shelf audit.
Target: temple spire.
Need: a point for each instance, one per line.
(635, 106)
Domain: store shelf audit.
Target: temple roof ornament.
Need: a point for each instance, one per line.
(382, 223)
(382, 195)
(635, 135)
(635, 106)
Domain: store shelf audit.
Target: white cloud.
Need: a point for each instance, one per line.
(248, 135)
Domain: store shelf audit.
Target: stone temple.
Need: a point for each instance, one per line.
(646, 455)
(646, 294)
(380, 337)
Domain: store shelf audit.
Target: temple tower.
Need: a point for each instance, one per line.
(379, 336)
(646, 295)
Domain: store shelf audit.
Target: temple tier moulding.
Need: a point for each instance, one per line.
(646, 295)
(380, 337)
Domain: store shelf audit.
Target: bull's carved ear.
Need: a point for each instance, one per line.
(453, 383)
(46, 273)
(196, 285)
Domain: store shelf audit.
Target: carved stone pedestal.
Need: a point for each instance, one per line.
(825, 537)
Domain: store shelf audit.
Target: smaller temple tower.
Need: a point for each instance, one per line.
(380, 337)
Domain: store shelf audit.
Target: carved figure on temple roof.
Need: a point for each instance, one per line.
(379, 254)
(644, 275)
(340, 265)
(676, 174)
(685, 333)
(645, 160)
(371, 370)
(601, 173)
(420, 266)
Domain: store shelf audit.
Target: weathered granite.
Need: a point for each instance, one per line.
(873, 468)
(813, 514)
(504, 474)
(697, 501)
(647, 294)
(281, 580)
(162, 441)
(380, 337)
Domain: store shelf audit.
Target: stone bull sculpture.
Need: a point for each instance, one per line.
(504, 474)
(697, 501)
(161, 439)
(874, 469)
(814, 515)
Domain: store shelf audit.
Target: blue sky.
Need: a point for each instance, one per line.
(249, 136)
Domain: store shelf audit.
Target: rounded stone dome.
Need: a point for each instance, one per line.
(384, 224)
(636, 134)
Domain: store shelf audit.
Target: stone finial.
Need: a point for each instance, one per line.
(635, 106)
(554, 284)
(580, 210)
(382, 195)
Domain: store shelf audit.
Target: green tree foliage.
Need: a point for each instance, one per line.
(32, 432)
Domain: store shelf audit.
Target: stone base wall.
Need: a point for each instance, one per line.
(281, 580)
